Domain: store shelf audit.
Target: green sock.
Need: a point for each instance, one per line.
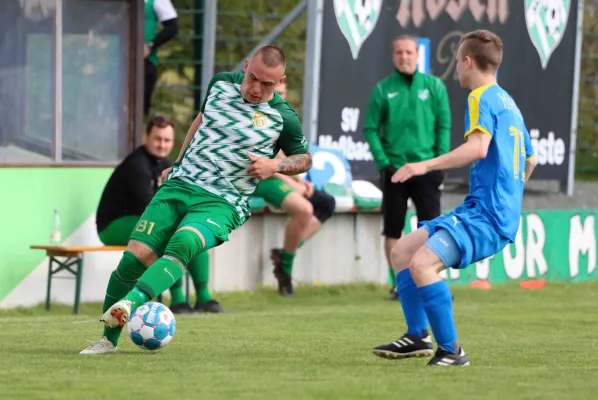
(116, 290)
(199, 269)
(392, 277)
(121, 281)
(137, 297)
(177, 296)
(287, 261)
(160, 276)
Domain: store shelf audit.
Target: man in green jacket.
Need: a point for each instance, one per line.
(408, 120)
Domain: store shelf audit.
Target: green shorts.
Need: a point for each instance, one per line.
(273, 190)
(118, 232)
(177, 204)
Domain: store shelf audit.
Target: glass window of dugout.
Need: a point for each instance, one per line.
(64, 68)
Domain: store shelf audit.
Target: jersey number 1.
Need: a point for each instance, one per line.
(518, 148)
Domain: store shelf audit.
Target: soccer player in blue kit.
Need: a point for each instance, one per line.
(499, 150)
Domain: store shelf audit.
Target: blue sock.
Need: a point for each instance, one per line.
(439, 309)
(413, 307)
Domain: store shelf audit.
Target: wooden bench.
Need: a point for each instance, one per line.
(69, 258)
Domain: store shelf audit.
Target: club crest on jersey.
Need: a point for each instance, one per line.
(546, 22)
(356, 20)
(423, 94)
(259, 120)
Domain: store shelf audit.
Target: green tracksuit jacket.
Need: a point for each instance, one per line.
(407, 120)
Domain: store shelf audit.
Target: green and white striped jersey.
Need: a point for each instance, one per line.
(231, 129)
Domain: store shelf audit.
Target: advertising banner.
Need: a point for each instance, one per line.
(538, 68)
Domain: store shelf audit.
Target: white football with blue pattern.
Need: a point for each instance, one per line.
(151, 326)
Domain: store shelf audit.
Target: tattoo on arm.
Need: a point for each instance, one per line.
(295, 164)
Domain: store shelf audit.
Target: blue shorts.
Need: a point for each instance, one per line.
(463, 237)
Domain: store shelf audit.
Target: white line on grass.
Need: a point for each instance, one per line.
(46, 323)
(327, 310)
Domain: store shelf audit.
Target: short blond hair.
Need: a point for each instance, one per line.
(484, 47)
(272, 56)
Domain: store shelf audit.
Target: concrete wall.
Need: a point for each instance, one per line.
(348, 249)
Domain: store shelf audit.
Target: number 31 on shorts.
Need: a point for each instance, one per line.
(145, 226)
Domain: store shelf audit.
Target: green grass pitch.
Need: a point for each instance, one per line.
(521, 344)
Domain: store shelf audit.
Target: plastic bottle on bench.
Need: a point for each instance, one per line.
(55, 234)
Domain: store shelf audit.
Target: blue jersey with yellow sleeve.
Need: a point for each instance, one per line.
(496, 181)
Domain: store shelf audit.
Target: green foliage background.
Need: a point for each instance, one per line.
(240, 26)
(587, 140)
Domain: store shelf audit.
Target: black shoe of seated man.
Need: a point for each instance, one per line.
(285, 282)
(407, 346)
(181, 308)
(445, 359)
(211, 306)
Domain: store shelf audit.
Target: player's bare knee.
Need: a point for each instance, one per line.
(298, 206)
(307, 211)
(142, 251)
(407, 248)
(400, 257)
(418, 266)
(303, 211)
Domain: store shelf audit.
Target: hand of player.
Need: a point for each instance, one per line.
(262, 168)
(309, 189)
(164, 174)
(146, 50)
(409, 170)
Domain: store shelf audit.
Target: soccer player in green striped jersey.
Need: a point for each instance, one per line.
(229, 148)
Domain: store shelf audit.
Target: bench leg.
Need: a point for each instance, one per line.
(49, 288)
(78, 279)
